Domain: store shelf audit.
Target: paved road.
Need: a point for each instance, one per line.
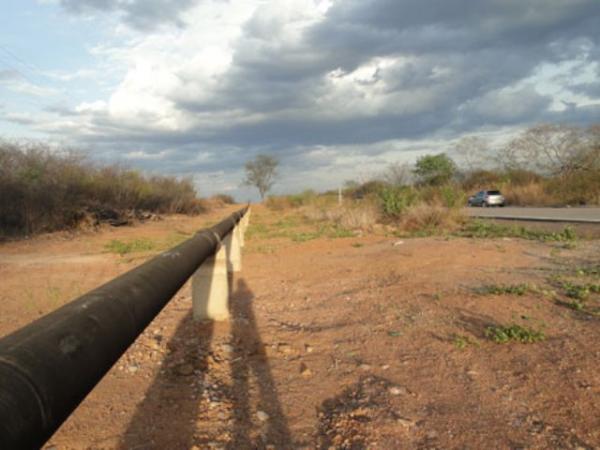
(581, 215)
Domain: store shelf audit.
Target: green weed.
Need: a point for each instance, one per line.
(257, 230)
(394, 200)
(509, 289)
(593, 271)
(123, 248)
(306, 236)
(516, 333)
(340, 232)
(576, 291)
(483, 229)
(287, 222)
(461, 342)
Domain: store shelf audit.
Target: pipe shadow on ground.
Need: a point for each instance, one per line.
(165, 419)
(267, 424)
(168, 416)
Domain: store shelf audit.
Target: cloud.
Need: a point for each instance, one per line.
(350, 78)
(9, 75)
(139, 14)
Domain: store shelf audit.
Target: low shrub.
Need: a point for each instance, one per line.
(483, 229)
(517, 333)
(352, 216)
(500, 289)
(45, 189)
(136, 245)
(394, 200)
(431, 219)
(531, 194)
(225, 199)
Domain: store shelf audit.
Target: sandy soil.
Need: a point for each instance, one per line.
(357, 342)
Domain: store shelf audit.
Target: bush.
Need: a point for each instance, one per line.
(481, 179)
(396, 200)
(582, 188)
(352, 217)
(304, 198)
(532, 194)
(42, 189)
(431, 219)
(225, 199)
(452, 197)
(278, 203)
(370, 188)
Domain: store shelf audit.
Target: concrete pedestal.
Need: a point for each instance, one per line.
(210, 288)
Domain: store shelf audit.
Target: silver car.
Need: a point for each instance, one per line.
(487, 198)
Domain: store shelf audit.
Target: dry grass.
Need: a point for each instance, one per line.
(531, 194)
(355, 216)
(431, 219)
(44, 189)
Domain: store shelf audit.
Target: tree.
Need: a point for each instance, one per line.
(473, 152)
(397, 174)
(261, 173)
(548, 149)
(435, 170)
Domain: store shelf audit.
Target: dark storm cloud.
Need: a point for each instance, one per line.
(140, 14)
(482, 47)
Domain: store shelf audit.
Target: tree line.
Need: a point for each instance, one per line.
(44, 189)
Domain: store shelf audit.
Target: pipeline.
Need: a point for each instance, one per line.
(49, 366)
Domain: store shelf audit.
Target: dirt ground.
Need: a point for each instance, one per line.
(351, 342)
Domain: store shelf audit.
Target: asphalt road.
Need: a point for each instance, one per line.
(576, 215)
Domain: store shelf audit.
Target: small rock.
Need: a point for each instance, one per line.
(133, 368)
(432, 434)
(398, 390)
(227, 349)
(472, 374)
(364, 367)
(385, 367)
(308, 348)
(284, 348)
(398, 243)
(407, 423)
(304, 370)
(262, 416)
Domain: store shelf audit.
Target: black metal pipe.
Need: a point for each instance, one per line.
(49, 366)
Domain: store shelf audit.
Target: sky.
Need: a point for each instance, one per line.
(335, 89)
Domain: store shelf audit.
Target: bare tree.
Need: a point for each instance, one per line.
(261, 173)
(473, 153)
(548, 149)
(398, 174)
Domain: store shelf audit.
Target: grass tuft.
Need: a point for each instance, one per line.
(514, 333)
(461, 342)
(483, 229)
(137, 245)
(502, 289)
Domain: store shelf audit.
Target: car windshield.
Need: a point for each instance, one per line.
(494, 193)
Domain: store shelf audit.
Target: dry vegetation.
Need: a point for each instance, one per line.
(545, 166)
(42, 189)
